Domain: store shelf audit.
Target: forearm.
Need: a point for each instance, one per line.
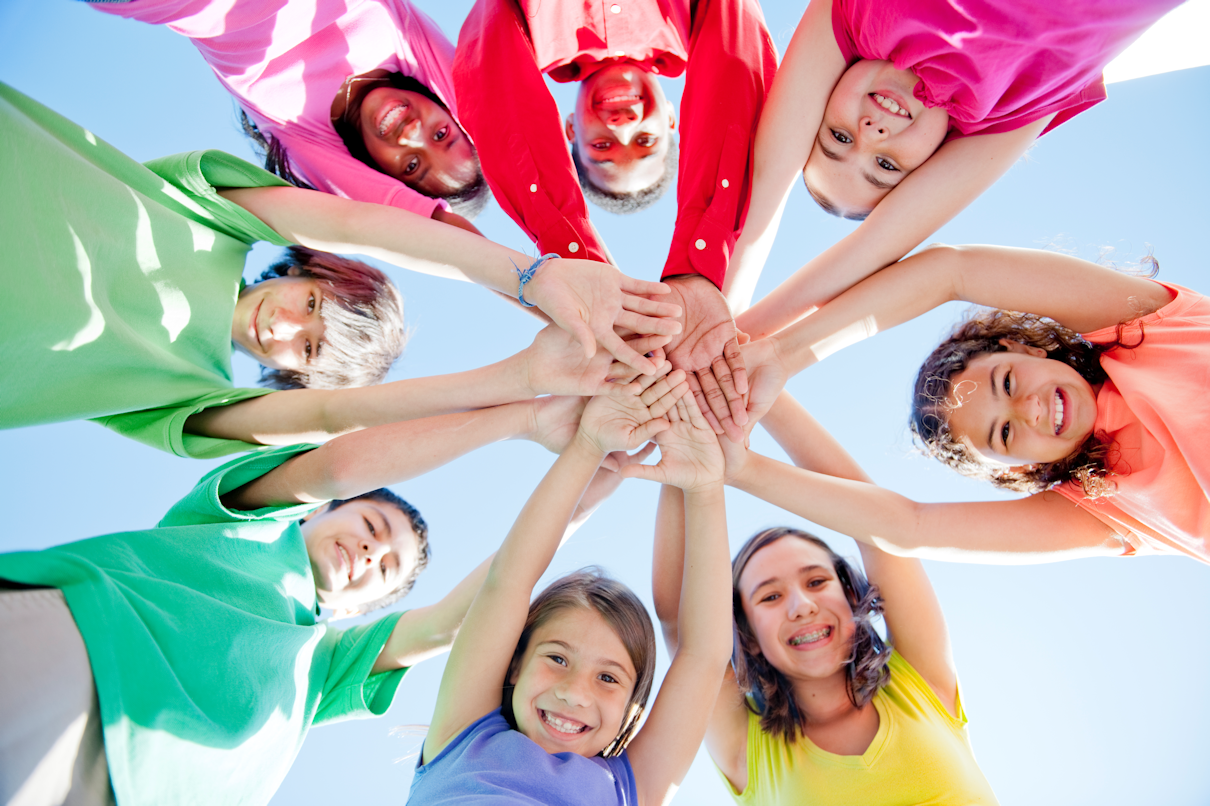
(668, 562)
(703, 624)
(808, 444)
(388, 454)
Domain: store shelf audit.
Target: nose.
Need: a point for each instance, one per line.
(412, 134)
(799, 604)
(370, 552)
(624, 123)
(285, 324)
(571, 690)
(1029, 409)
(874, 129)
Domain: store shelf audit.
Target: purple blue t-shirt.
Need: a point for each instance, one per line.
(996, 66)
(490, 763)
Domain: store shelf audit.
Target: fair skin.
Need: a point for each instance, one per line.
(801, 617)
(792, 127)
(277, 322)
(562, 673)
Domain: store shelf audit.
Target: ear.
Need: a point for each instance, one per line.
(570, 128)
(1018, 347)
(671, 117)
(342, 613)
(293, 271)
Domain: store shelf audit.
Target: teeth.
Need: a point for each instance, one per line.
(562, 725)
(1058, 411)
(345, 554)
(890, 105)
(389, 121)
(811, 636)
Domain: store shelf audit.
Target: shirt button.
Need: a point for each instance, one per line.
(615, 8)
(533, 188)
(573, 247)
(726, 184)
(655, 70)
(619, 53)
(699, 243)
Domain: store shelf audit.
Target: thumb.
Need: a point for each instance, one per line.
(648, 472)
(648, 430)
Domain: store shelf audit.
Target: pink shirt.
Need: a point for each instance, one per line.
(285, 61)
(1154, 409)
(993, 65)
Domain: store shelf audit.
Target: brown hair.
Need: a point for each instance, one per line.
(770, 694)
(980, 333)
(423, 553)
(363, 323)
(589, 588)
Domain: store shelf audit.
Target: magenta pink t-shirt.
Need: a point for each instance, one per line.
(1154, 409)
(285, 61)
(997, 65)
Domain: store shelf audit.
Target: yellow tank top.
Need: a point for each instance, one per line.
(920, 755)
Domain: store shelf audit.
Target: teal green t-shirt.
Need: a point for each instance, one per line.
(202, 636)
(121, 280)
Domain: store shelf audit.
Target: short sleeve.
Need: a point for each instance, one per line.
(192, 182)
(350, 691)
(203, 505)
(164, 427)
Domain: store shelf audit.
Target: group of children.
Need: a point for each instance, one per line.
(186, 662)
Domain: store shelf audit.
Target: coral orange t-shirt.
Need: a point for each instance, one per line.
(1155, 408)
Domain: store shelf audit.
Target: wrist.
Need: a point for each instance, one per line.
(584, 443)
(709, 493)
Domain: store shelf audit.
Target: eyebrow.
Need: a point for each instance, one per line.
(876, 182)
(806, 569)
(571, 649)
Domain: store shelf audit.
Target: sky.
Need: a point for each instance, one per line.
(1083, 680)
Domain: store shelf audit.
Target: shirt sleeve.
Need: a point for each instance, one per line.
(203, 504)
(192, 180)
(350, 691)
(732, 61)
(505, 106)
(164, 427)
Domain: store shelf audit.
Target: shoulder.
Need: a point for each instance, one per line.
(908, 691)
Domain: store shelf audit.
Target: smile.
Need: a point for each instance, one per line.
(811, 637)
(255, 325)
(1059, 410)
(890, 105)
(565, 726)
(392, 119)
(348, 562)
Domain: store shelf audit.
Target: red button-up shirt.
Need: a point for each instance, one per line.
(506, 45)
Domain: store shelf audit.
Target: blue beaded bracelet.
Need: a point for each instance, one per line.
(525, 275)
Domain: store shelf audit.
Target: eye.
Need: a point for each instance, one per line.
(772, 597)
(382, 566)
(370, 526)
(841, 137)
(311, 304)
(600, 145)
(412, 165)
(559, 659)
(815, 583)
(646, 140)
(608, 678)
(441, 133)
(307, 349)
(886, 164)
(1004, 435)
(1007, 383)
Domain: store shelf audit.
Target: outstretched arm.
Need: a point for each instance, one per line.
(479, 659)
(585, 298)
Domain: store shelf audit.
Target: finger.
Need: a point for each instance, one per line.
(666, 403)
(643, 453)
(713, 396)
(648, 324)
(610, 462)
(700, 397)
(581, 332)
(726, 381)
(694, 414)
(648, 472)
(742, 337)
(630, 285)
(661, 372)
(650, 307)
(626, 354)
(648, 430)
(735, 361)
(660, 388)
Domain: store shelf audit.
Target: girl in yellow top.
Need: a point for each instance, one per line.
(818, 709)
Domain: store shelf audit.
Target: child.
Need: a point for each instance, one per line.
(319, 84)
(1105, 430)
(201, 634)
(623, 146)
(867, 94)
(574, 668)
(145, 264)
(819, 709)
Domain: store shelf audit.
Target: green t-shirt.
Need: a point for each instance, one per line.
(121, 281)
(209, 664)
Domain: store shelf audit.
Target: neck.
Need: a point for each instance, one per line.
(823, 701)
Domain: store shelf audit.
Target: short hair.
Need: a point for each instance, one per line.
(467, 201)
(384, 496)
(626, 203)
(770, 693)
(980, 333)
(590, 589)
(363, 323)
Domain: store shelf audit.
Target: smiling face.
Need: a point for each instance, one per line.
(359, 552)
(416, 140)
(278, 322)
(874, 133)
(573, 684)
(622, 128)
(797, 609)
(1020, 407)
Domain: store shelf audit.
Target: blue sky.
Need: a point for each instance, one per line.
(1082, 680)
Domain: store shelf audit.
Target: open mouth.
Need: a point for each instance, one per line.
(890, 105)
(811, 637)
(393, 119)
(254, 326)
(1060, 411)
(348, 561)
(566, 727)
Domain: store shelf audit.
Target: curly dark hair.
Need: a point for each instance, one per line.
(423, 553)
(626, 203)
(770, 694)
(590, 589)
(981, 333)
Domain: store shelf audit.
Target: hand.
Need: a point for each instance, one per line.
(588, 299)
(690, 456)
(708, 345)
(620, 420)
(767, 377)
(555, 363)
(554, 421)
